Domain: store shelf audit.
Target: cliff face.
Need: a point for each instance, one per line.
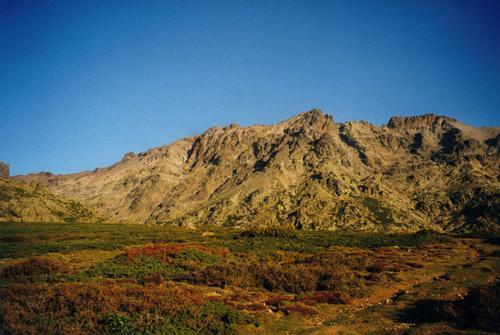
(423, 172)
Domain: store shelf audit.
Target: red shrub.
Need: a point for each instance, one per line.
(165, 251)
(20, 304)
(276, 300)
(299, 309)
(34, 267)
(327, 297)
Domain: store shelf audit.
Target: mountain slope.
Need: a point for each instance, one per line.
(22, 202)
(423, 172)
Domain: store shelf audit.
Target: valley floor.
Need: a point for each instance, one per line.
(136, 279)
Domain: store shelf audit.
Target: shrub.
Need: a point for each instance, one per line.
(339, 280)
(215, 275)
(277, 300)
(273, 231)
(377, 267)
(154, 278)
(113, 309)
(293, 279)
(299, 309)
(139, 268)
(182, 251)
(118, 324)
(34, 267)
(327, 297)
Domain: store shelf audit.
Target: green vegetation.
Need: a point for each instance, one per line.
(273, 231)
(211, 318)
(116, 309)
(30, 239)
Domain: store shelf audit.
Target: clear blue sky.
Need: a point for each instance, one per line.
(83, 82)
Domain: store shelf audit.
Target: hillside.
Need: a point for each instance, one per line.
(422, 172)
(23, 202)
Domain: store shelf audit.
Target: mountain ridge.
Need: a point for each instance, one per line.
(421, 172)
(33, 202)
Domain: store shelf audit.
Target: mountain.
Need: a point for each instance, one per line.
(23, 202)
(421, 172)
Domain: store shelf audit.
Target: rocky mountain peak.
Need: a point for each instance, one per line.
(426, 121)
(311, 118)
(307, 172)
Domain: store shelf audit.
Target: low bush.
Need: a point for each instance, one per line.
(339, 280)
(181, 251)
(293, 279)
(299, 309)
(272, 231)
(34, 267)
(113, 309)
(328, 297)
(277, 300)
(138, 269)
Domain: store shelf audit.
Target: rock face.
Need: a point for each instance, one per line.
(4, 170)
(422, 172)
(23, 202)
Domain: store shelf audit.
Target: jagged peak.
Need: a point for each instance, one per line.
(312, 117)
(425, 120)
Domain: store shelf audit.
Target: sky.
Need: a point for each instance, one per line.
(83, 82)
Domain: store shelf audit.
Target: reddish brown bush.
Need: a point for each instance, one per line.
(414, 264)
(34, 267)
(72, 307)
(290, 278)
(165, 251)
(299, 309)
(327, 297)
(277, 300)
(254, 307)
(155, 279)
(378, 266)
(338, 280)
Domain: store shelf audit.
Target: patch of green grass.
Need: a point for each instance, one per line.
(39, 238)
(195, 255)
(210, 318)
(139, 268)
(273, 231)
(31, 239)
(172, 268)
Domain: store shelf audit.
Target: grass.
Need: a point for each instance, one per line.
(31, 239)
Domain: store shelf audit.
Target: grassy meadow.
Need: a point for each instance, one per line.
(137, 279)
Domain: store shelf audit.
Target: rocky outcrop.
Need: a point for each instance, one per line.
(4, 170)
(423, 172)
